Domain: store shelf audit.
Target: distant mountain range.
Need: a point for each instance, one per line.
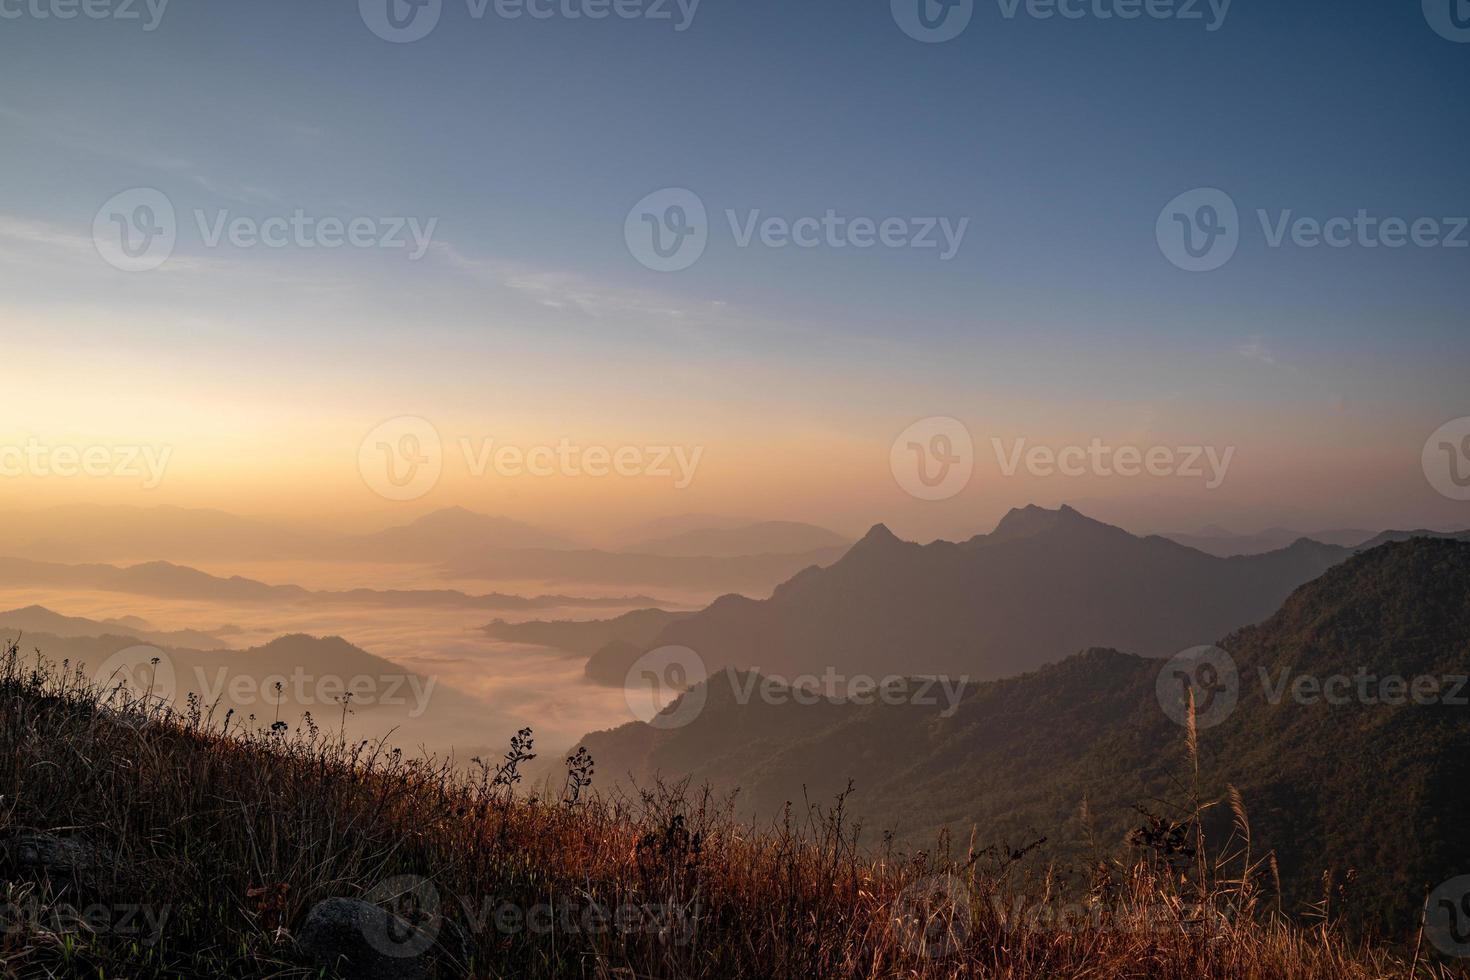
(1043, 584)
(1223, 544)
(742, 573)
(446, 533)
(166, 580)
(763, 538)
(585, 637)
(89, 533)
(39, 619)
(701, 552)
(314, 672)
(1367, 789)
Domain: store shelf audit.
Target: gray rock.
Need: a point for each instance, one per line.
(49, 853)
(360, 941)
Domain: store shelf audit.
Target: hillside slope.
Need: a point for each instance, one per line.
(1364, 786)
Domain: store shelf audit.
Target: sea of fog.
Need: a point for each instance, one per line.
(472, 692)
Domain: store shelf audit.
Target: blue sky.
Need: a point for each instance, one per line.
(529, 141)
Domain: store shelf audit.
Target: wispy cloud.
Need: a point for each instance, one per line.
(1255, 349)
(561, 290)
(27, 232)
(74, 136)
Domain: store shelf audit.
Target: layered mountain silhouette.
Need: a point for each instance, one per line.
(315, 673)
(1223, 544)
(762, 538)
(91, 533)
(1366, 786)
(167, 580)
(39, 619)
(740, 573)
(1043, 584)
(448, 533)
(585, 637)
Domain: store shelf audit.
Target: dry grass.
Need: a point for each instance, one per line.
(229, 835)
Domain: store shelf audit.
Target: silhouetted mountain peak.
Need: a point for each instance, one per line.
(1023, 522)
(878, 541)
(457, 517)
(879, 533)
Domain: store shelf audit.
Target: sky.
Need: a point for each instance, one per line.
(1049, 159)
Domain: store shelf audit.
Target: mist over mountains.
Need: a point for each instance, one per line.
(697, 552)
(166, 580)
